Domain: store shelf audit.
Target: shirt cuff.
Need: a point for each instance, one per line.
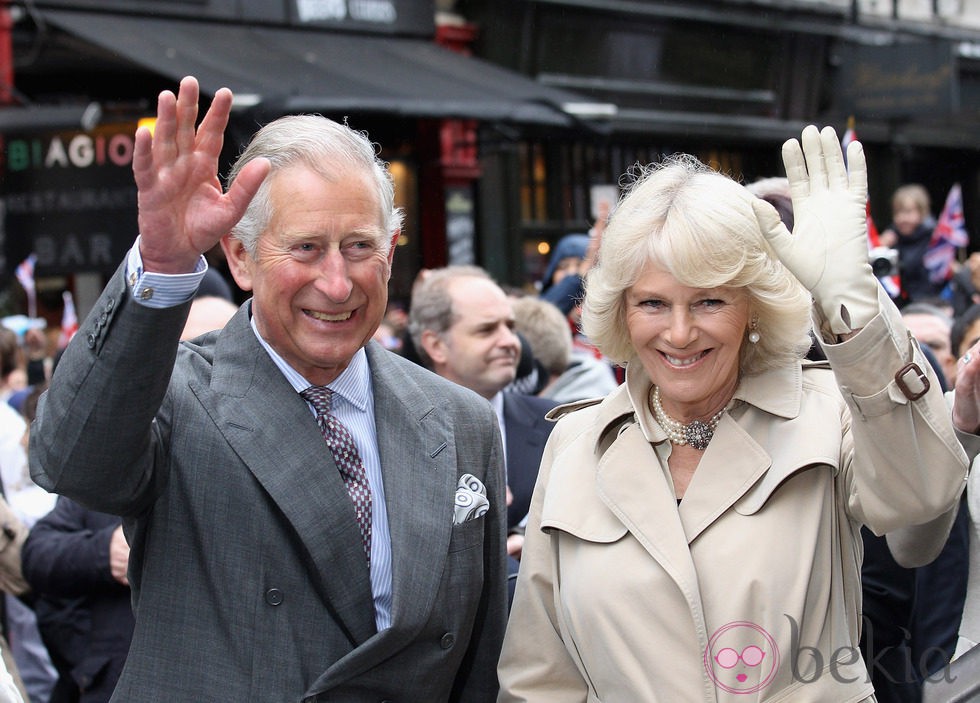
(161, 290)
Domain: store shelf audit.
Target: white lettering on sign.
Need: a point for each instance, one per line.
(81, 151)
(382, 11)
(314, 10)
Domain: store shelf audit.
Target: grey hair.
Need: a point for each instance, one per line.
(698, 225)
(432, 306)
(329, 148)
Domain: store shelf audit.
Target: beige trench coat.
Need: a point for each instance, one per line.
(750, 589)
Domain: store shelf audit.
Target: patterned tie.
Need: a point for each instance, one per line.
(346, 458)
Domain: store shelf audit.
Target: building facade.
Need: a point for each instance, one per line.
(506, 122)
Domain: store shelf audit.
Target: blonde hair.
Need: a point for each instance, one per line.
(915, 194)
(699, 226)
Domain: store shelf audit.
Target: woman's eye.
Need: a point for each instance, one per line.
(711, 303)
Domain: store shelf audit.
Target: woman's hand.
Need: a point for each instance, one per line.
(828, 249)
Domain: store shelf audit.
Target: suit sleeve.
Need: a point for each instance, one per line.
(95, 437)
(902, 463)
(535, 665)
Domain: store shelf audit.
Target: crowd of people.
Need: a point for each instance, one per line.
(708, 458)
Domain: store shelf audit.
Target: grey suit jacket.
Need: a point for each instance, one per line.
(248, 579)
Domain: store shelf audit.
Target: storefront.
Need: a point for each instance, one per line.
(375, 64)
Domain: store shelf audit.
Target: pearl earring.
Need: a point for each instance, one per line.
(754, 336)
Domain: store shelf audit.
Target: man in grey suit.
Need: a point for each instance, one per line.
(265, 567)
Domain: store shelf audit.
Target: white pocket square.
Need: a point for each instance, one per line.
(471, 499)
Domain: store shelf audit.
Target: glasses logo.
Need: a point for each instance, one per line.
(741, 657)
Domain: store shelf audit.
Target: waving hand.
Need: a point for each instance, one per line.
(183, 211)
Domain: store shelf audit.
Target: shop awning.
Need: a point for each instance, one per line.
(299, 70)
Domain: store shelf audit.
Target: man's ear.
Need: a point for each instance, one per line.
(435, 347)
(394, 244)
(239, 261)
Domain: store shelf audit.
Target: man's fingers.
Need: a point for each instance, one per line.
(187, 100)
(246, 184)
(210, 135)
(165, 128)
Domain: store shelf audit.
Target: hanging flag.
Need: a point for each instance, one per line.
(891, 284)
(25, 275)
(69, 320)
(949, 235)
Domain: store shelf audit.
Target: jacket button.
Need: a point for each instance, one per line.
(447, 641)
(90, 340)
(273, 596)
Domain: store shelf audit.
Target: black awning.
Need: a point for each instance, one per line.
(49, 117)
(299, 70)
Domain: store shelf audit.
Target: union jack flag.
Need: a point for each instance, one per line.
(949, 235)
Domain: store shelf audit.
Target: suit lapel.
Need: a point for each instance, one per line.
(418, 462)
(272, 430)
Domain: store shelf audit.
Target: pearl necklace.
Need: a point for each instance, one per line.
(695, 433)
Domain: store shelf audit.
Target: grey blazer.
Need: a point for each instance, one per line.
(249, 583)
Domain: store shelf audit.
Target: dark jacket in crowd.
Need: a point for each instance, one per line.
(914, 276)
(84, 614)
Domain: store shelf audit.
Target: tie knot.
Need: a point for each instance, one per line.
(319, 397)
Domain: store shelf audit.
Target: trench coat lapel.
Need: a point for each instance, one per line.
(631, 483)
(730, 466)
(272, 430)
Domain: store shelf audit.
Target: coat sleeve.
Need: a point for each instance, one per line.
(535, 665)
(901, 461)
(94, 438)
(67, 556)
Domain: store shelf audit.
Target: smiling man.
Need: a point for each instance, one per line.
(290, 489)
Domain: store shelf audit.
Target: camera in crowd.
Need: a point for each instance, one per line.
(884, 261)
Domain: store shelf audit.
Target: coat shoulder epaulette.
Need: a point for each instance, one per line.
(560, 411)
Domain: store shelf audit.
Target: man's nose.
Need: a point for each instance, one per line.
(333, 279)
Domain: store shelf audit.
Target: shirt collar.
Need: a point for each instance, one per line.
(353, 384)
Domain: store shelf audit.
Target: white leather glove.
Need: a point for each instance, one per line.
(828, 249)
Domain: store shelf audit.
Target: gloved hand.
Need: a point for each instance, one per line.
(828, 249)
